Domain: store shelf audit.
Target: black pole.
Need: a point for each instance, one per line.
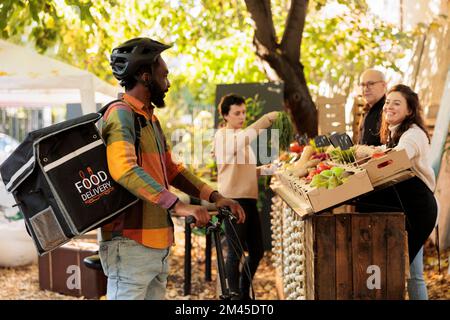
(208, 258)
(187, 259)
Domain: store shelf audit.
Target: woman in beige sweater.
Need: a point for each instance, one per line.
(402, 127)
(238, 179)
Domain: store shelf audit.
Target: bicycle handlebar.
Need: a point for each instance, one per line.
(224, 212)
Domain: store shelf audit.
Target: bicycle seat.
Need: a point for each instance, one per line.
(93, 262)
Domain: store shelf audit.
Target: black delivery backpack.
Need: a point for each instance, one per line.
(60, 180)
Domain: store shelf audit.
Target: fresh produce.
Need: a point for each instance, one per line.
(330, 178)
(322, 166)
(284, 156)
(305, 157)
(363, 151)
(284, 125)
(338, 170)
(295, 147)
(300, 172)
(312, 163)
(320, 181)
(342, 156)
(311, 175)
(320, 155)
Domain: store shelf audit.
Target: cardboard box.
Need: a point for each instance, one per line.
(394, 162)
(62, 270)
(320, 199)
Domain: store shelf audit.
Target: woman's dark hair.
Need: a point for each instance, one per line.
(227, 101)
(415, 116)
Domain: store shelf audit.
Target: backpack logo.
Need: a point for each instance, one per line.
(92, 188)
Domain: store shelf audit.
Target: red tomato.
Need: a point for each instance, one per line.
(295, 147)
(322, 166)
(312, 174)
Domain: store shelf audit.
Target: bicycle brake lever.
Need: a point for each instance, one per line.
(226, 212)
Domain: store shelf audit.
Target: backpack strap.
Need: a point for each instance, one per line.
(139, 123)
(105, 107)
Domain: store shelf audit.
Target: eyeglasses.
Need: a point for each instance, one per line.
(369, 84)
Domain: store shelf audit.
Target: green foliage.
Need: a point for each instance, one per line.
(336, 49)
(285, 128)
(254, 107)
(213, 40)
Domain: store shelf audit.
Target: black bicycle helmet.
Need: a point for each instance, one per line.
(127, 58)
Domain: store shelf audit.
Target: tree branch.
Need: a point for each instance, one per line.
(292, 36)
(261, 14)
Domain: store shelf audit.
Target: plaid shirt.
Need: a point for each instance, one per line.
(148, 222)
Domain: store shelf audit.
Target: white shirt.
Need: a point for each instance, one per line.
(415, 142)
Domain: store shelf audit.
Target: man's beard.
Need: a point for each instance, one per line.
(157, 95)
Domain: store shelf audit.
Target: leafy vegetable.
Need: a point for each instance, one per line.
(284, 125)
(329, 179)
(342, 156)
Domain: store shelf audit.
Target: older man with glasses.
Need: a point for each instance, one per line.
(373, 86)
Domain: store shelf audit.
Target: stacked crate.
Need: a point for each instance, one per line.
(341, 256)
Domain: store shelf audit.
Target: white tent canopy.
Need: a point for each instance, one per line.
(30, 79)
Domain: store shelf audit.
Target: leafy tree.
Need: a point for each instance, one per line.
(331, 50)
(215, 42)
(284, 57)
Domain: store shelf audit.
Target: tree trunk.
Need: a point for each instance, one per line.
(284, 58)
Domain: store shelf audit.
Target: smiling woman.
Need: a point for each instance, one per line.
(403, 128)
(403, 110)
(395, 108)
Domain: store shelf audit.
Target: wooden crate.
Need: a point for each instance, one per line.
(343, 252)
(62, 270)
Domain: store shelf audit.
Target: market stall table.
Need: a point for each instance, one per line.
(321, 255)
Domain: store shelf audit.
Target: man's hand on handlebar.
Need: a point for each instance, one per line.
(234, 206)
(200, 213)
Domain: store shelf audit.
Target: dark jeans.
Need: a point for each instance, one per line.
(250, 235)
(414, 199)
